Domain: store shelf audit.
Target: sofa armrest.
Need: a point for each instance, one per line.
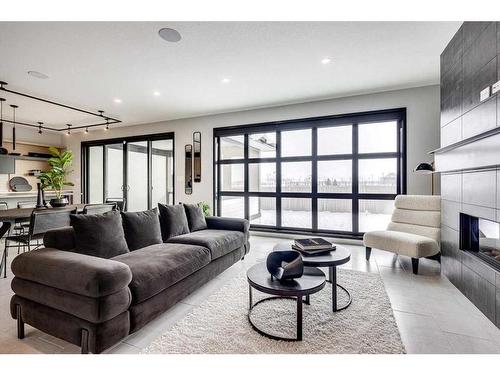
(227, 223)
(77, 273)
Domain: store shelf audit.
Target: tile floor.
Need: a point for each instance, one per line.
(432, 315)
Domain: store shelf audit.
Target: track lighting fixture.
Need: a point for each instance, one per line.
(40, 127)
(86, 130)
(14, 107)
(69, 129)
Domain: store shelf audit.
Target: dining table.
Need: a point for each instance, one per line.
(13, 215)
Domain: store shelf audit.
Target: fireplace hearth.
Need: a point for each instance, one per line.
(481, 237)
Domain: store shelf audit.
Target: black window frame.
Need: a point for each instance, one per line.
(313, 123)
(149, 138)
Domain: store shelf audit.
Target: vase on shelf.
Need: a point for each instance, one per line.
(39, 196)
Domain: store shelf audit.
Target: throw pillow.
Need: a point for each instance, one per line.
(173, 220)
(141, 228)
(195, 217)
(99, 235)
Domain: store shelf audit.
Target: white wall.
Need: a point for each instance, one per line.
(422, 105)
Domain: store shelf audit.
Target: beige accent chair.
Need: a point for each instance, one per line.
(414, 230)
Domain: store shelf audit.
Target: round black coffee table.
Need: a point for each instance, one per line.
(260, 279)
(331, 260)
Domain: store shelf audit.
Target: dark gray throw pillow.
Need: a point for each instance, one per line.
(195, 217)
(99, 235)
(173, 220)
(141, 228)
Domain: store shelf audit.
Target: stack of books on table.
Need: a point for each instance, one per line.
(313, 246)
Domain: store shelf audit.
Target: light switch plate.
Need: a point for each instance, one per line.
(485, 94)
(495, 88)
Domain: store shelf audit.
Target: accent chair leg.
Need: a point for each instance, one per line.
(436, 257)
(368, 253)
(85, 342)
(20, 323)
(414, 265)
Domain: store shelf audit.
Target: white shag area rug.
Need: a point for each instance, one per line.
(220, 324)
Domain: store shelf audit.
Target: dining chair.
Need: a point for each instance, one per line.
(21, 226)
(4, 206)
(93, 209)
(121, 203)
(41, 221)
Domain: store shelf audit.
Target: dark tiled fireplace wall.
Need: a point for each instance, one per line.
(469, 158)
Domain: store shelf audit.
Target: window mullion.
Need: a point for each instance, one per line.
(314, 179)
(278, 179)
(355, 179)
(245, 180)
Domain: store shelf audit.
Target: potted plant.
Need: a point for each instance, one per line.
(205, 207)
(56, 178)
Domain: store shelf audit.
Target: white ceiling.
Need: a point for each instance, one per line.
(269, 63)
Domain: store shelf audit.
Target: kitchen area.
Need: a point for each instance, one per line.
(19, 171)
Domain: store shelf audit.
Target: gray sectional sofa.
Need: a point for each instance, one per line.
(95, 302)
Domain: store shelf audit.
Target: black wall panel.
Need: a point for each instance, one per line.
(482, 50)
(470, 63)
(473, 84)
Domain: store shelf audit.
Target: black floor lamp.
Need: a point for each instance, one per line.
(426, 168)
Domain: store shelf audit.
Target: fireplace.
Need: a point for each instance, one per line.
(481, 237)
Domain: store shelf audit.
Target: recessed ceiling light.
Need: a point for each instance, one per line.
(225, 80)
(170, 35)
(326, 60)
(156, 93)
(117, 100)
(36, 74)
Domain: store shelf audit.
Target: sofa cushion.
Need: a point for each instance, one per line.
(157, 267)
(195, 217)
(141, 228)
(99, 235)
(412, 245)
(60, 238)
(173, 220)
(219, 242)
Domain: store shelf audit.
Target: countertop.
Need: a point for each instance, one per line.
(29, 194)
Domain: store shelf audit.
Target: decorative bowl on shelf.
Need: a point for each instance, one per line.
(285, 265)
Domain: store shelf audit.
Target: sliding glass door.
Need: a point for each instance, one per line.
(162, 171)
(114, 170)
(137, 169)
(333, 175)
(137, 176)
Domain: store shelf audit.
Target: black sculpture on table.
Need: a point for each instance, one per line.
(285, 265)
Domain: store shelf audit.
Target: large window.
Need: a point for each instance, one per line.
(137, 169)
(333, 175)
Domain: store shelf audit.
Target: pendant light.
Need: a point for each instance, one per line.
(3, 150)
(40, 127)
(14, 107)
(69, 129)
